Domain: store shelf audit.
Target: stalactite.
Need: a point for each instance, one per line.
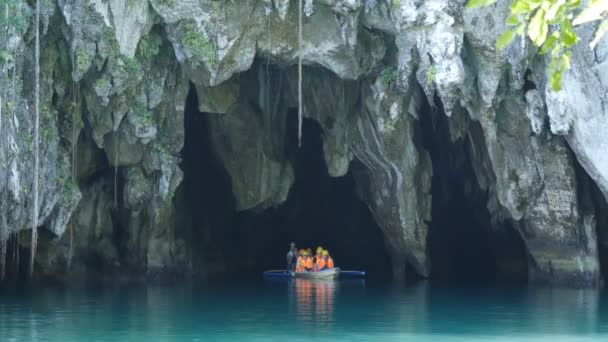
(36, 143)
(299, 72)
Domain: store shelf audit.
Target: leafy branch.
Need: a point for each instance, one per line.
(549, 25)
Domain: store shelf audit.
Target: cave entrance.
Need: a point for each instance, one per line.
(319, 210)
(465, 243)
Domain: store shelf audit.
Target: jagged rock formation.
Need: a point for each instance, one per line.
(119, 71)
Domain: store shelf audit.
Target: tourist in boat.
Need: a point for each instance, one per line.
(321, 263)
(301, 263)
(317, 257)
(292, 257)
(329, 260)
(309, 263)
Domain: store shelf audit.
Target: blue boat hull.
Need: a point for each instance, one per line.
(289, 274)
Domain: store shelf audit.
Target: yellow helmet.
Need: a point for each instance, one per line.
(325, 253)
(319, 249)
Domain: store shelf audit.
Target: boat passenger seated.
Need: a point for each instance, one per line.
(301, 263)
(318, 256)
(329, 260)
(308, 262)
(321, 262)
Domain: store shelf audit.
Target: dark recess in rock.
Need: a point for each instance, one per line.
(320, 210)
(465, 244)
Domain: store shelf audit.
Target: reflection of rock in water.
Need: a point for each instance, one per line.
(315, 303)
(564, 310)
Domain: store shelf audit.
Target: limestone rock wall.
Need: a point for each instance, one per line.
(115, 75)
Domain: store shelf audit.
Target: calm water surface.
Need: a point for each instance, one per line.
(304, 311)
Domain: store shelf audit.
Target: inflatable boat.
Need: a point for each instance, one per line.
(333, 273)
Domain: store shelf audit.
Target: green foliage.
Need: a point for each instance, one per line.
(49, 130)
(66, 187)
(199, 44)
(388, 76)
(18, 21)
(149, 47)
(161, 150)
(395, 4)
(13, 21)
(110, 37)
(83, 61)
(132, 65)
(102, 83)
(549, 25)
(144, 115)
(431, 75)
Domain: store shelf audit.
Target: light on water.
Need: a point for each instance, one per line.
(303, 310)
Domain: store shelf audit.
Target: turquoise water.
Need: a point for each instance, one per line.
(304, 311)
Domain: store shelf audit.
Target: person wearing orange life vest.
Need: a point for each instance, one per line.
(328, 262)
(308, 262)
(329, 259)
(301, 263)
(317, 257)
(321, 262)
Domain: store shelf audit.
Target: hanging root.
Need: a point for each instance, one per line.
(36, 145)
(115, 169)
(299, 73)
(3, 245)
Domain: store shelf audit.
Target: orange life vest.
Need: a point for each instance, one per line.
(308, 263)
(330, 262)
(317, 258)
(300, 265)
(320, 264)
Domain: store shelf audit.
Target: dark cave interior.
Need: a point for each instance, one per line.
(319, 211)
(464, 243)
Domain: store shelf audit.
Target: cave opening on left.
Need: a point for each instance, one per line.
(320, 210)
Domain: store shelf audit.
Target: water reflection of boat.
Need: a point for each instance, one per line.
(315, 302)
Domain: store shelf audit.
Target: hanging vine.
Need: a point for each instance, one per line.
(115, 166)
(299, 73)
(3, 228)
(36, 142)
(76, 125)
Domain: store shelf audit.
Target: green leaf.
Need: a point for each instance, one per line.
(505, 39)
(538, 28)
(566, 60)
(556, 80)
(599, 33)
(479, 3)
(575, 3)
(520, 7)
(550, 43)
(521, 29)
(554, 9)
(568, 35)
(513, 20)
